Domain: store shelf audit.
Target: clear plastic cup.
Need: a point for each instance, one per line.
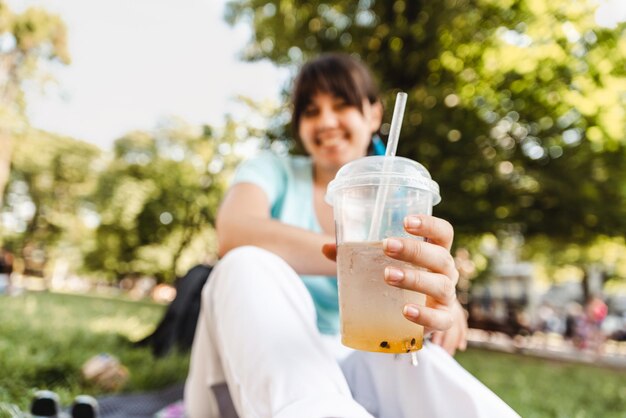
(389, 188)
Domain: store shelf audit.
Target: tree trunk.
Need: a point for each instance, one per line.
(187, 235)
(585, 285)
(6, 148)
(593, 281)
(190, 225)
(9, 118)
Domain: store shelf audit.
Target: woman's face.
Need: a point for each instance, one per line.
(335, 133)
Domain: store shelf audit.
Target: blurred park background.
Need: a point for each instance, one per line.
(516, 107)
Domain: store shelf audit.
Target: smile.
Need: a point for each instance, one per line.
(330, 142)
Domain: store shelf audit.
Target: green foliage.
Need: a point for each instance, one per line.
(38, 31)
(50, 336)
(608, 253)
(157, 197)
(148, 209)
(30, 41)
(516, 107)
(53, 176)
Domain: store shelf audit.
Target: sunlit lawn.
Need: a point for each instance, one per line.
(46, 337)
(538, 388)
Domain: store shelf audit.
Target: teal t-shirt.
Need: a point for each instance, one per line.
(288, 184)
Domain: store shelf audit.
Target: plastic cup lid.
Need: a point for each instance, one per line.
(375, 170)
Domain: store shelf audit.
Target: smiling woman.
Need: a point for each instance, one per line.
(336, 132)
(274, 289)
(335, 116)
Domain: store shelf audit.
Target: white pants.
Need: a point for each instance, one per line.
(257, 332)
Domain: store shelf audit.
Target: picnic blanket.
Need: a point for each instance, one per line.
(164, 403)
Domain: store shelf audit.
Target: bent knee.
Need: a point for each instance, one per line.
(248, 274)
(249, 257)
(242, 264)
(248, 254)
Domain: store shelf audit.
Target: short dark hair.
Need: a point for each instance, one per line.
(338, 74)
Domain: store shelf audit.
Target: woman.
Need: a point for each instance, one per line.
(269, 321)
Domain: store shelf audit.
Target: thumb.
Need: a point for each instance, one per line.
(330, 251)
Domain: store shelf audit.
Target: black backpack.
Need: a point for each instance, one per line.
(178, 326)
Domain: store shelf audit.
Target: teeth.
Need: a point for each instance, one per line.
(328, 142)
(330, 137)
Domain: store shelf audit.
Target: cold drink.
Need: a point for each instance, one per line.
(371, 196)
(371, 310)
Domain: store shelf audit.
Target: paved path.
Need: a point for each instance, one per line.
(551, 346)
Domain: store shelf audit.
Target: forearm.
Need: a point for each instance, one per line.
(300, 248)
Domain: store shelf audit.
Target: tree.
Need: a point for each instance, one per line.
(47, 200)
(159, 194)
(600, 266)
(516, 107)
(27, 41)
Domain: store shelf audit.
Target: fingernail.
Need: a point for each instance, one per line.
(392, 245)
(410, 311)
(412, 222)
(393, 275)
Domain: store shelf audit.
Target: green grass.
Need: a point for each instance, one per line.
(45, 338)
(538, 388)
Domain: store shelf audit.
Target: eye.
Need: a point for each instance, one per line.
(310, 111)
(340, 104)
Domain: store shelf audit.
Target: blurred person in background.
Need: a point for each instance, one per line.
(596, 311)
(6, 269)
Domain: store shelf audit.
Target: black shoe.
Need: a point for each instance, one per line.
(84, 406)
(45, 404)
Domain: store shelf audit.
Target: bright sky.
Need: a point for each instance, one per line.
(136, 61)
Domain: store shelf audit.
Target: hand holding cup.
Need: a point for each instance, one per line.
(429, 269)
(433, 272)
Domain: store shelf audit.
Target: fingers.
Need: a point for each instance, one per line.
(436, 230)
(430, 270)
(454, 338)
(450, 340)
(446, 340)
(430, 318)
(461, 324)
(423, 254)
(438, 286)
(463, 341)
(437, 315)
(437, 338)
